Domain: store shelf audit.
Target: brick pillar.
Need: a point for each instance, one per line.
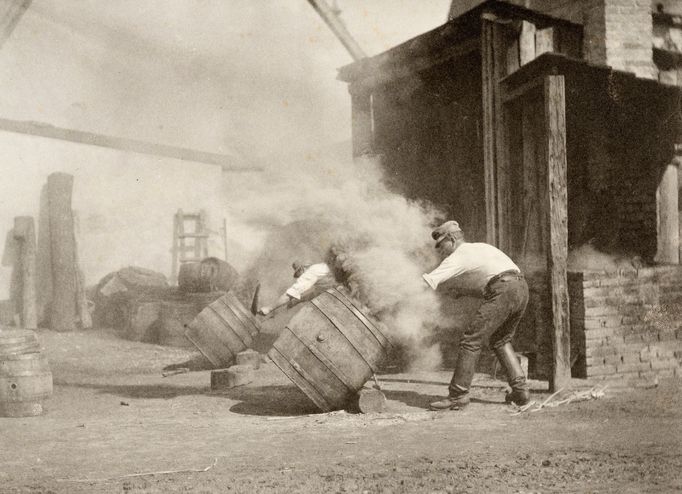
(619, 33)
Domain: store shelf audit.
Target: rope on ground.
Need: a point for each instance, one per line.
(143, 474)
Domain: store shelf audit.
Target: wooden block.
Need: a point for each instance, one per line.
(237, 375)
(249, 357)
(369, 400)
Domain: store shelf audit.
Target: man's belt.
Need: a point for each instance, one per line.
(503, 274)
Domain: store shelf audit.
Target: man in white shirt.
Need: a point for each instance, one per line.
(479, 269)
(311, 280)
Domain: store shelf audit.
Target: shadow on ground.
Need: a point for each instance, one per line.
(270, 401)
(151, 391)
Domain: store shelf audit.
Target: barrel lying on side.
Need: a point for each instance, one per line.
(222, 330)
(25, 382)
(329, 350)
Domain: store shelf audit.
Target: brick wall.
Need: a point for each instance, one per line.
(617, 33)
(628, 324)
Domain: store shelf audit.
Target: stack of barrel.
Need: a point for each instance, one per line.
(25, 377)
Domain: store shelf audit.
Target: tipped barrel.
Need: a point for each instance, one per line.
(329, 350)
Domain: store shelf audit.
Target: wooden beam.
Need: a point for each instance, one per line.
(24, 234)
(495, 150)
(330, 17)
(361, 123)
(123, 144)
(557, 206)
(62, 252)
(10, 14)
(668, 227)
(383, 71)
(509, 95)
(488, 91)
(526, 42)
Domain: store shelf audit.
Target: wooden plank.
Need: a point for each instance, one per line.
(24, 233)
(545, 41)
(526, 42)
(503, 179)
(668, 229)
(63, 252)
(226, 162)
(513, 58)
(557, 202)
(488, 102)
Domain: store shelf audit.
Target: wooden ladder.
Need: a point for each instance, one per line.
(189, 245)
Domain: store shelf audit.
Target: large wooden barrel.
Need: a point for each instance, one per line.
(329, 350)
(25, 382)
(17, 342)
(222, 330)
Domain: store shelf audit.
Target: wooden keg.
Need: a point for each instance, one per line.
(219, 274)
(17, 342)
(25, 382)
(222, 330)
(329, 350)
(190, 280)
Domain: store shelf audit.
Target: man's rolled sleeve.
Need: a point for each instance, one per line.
(449, 268)
(307, 280)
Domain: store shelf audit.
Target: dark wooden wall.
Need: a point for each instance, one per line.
(429, 130)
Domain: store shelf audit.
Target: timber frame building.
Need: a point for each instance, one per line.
(498, 118)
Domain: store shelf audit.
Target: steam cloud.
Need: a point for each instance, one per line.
(382, 239)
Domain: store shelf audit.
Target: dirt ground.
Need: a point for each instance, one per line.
(114, 424)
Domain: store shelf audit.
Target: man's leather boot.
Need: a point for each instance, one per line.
(458, 396)
(519, 394)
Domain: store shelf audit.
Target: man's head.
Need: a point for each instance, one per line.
(448, 237)
(299, 268)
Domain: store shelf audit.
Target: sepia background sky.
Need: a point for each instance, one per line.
(250, 77)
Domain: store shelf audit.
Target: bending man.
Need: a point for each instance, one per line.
(311, 280)
(481, 270)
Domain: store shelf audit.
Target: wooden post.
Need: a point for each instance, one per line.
(361, 122)
(557, 203)
(63, 251)
(526, 42)
(495, 149)
(24, 233)
(668, 228)
(489, 84)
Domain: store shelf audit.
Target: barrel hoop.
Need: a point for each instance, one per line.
(239, 332)
(302, 379)
(383, 341)
(210, 358)
(242, 317)
(327, 363)
(339, 326)
(245, 322)
(248, 317)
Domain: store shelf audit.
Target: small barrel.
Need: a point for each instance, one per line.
(17, 342)
(222, 330)
(190, 280)
(329, 350)
(219, 275)
(25, 382)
